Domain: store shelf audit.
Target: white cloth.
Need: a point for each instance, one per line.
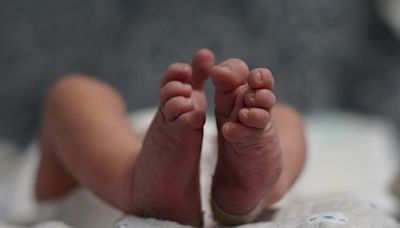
(349, 155)
(328, 213)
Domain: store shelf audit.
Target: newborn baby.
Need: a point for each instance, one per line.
(85, 140)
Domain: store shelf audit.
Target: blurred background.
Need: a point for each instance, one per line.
(340, 58)
(324, 54)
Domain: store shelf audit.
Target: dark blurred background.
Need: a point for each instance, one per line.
(324, 54)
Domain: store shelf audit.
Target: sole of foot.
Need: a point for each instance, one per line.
(249, 153)
(166, 177)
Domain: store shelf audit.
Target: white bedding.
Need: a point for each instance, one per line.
(349, 156)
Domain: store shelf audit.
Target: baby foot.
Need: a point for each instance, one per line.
(249, 153)
(166, 181)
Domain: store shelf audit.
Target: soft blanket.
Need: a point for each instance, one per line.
(347, 181)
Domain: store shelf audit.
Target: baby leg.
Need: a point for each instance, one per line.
(85, 139)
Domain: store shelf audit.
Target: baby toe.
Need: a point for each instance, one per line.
(254, 117)
(238, 133)
(176, 106)
(261, 78)
(177, 71)
(229, 75)
(201, 64)
(174, 89)
(260, 98)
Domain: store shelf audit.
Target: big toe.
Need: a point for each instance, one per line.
(229, 75)
(202, 63)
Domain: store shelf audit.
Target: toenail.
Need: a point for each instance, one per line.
(252, 95)
(208, 64)
(184, 67)
(259, 76)
(188, 101)
(228, 127)
(187, 86)
(246, 112)
(224, 66)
